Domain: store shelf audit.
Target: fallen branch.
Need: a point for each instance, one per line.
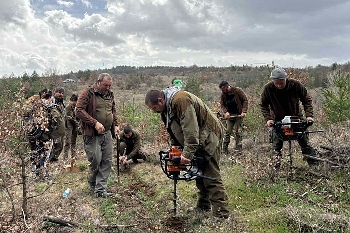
(326, 148)
(321, 159)
(67, 223)
(61, 222)
(110, 227)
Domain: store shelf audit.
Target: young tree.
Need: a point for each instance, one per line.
(193, 85)
(336, 103)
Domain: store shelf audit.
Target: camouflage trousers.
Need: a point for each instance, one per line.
(39, 157)
(57, 148)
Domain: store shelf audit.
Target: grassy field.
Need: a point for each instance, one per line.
(297, 199)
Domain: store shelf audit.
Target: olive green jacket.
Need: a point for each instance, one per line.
(70, 112)
(133, 143)
(192, 124)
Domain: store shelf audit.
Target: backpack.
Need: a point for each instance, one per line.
(44, 122)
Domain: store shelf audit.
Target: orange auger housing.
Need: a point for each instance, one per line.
(175, 157)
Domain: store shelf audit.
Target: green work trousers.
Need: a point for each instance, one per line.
(306, 148)
(71, 141)
(234, 126)
(212, 193)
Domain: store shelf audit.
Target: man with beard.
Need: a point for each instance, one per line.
(234, 105)
(130, 146)
(72, 128)
(96, 110)
(195, 128)
(282, 97)
(59, 141)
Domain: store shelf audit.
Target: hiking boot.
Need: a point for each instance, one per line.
(104, 194)
(198, 209)
(310, 161)
(134, 160)
(238, 147)
(276, 161)
(144, 157)
(53, 159)
(221, 212)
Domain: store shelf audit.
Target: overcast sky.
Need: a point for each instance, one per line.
(72, 35)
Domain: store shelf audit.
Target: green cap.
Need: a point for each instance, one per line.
(177, 82)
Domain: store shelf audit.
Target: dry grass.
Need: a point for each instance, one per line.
(311, 200)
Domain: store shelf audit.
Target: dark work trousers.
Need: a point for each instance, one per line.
(57, 147)
(306, 148)
(99, 152)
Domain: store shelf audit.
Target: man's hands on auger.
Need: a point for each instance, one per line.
(184, 160)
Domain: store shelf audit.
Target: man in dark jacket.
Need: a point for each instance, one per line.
(280, 98)
(194, 127)
(130, 146)
(234, 105)
(96, 110)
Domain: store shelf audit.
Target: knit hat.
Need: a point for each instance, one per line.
(278, 73)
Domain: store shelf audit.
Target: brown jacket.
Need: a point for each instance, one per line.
(240, 99)
(86, 110)
(275, 104)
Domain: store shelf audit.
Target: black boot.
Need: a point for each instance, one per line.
(225, 148)
(276, 159)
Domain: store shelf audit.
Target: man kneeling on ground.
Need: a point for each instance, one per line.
(130, 146)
